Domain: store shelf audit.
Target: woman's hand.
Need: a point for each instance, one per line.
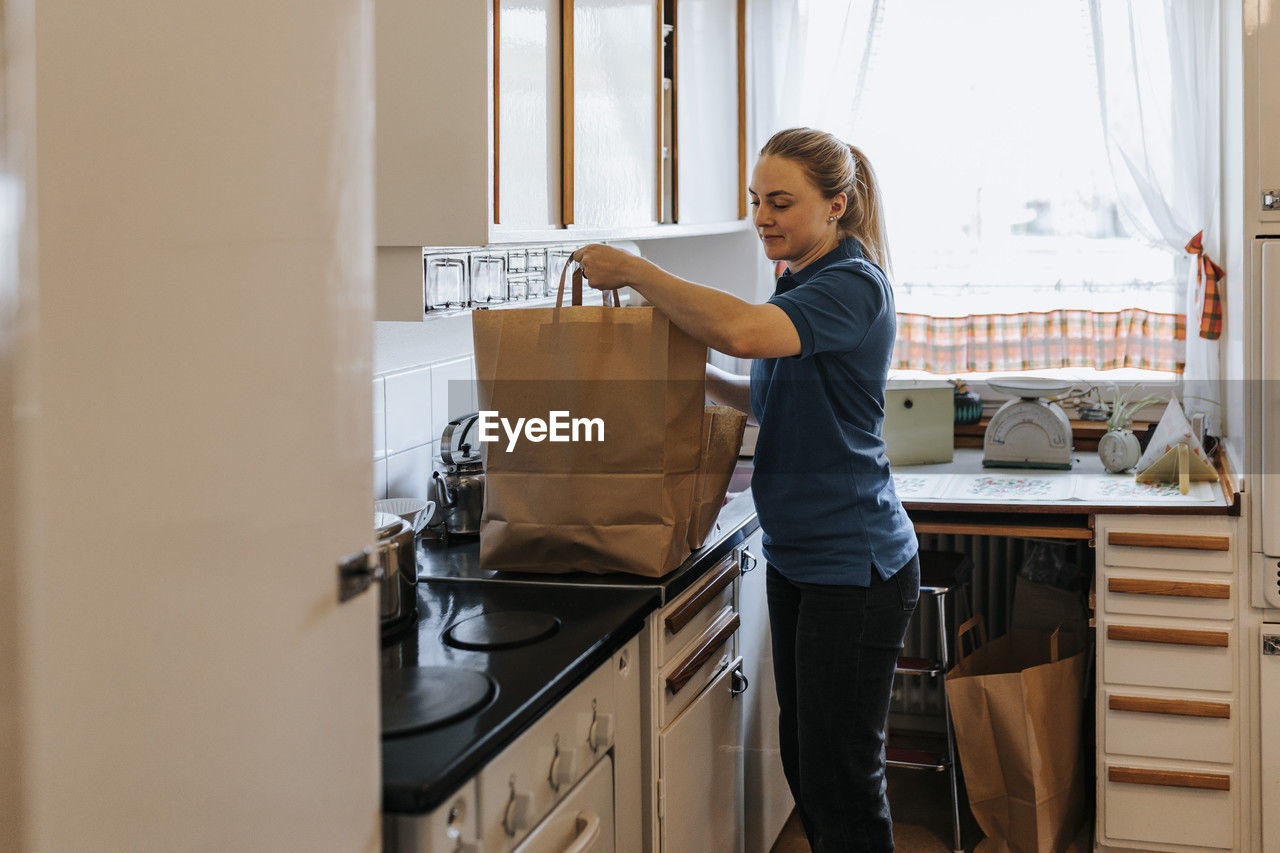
(607, 268)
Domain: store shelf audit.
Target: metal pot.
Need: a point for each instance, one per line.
(397, 567)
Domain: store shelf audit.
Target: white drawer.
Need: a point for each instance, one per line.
(1140, 654)
(696, 665)
(1148, 594)
(1137, 811)
(1208, 549)
(1180, 727)
(689, 614)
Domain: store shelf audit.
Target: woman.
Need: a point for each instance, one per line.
(843, 576)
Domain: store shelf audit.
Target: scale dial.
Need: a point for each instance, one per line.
(1028, 433)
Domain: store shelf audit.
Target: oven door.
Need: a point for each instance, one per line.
(582, 822)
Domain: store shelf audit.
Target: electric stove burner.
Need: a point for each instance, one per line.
(503, 630)
(426, 697)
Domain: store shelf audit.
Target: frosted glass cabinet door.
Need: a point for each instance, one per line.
(707, 111)
(528, 114)
(615, 121)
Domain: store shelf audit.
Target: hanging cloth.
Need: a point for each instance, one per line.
(1208, 276)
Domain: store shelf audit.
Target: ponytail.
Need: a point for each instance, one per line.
(835, 167)
(863, 217)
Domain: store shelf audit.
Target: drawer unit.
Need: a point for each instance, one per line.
(1167, 726)
(1167, 806)
(1167, 698)
(1163, 656)
(693, 667)
(692, 612)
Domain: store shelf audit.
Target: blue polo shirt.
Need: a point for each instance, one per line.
(821, 482)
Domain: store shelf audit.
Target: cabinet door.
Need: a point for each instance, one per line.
(767, 798)
(614, 142)
(708, 170)
(1266, 91)
(527, 114)
(700, 766)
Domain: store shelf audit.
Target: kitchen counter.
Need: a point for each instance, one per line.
(598, 614)
(461, 559)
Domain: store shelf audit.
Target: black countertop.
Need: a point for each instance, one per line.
(598, 615)
(420, 770)
(461, 559)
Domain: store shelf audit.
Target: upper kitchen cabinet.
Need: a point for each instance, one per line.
(433, 61)
(709, 91)
(611, 123)
(1262, 112)
(527, 114)
(521, 121)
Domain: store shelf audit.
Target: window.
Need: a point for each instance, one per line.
(1009, 244)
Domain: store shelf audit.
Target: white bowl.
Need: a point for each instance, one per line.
(416, 511)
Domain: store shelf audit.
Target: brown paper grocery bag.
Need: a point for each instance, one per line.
(622, 503)
(1016, 708)
(722, 429)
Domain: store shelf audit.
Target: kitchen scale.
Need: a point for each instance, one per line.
(1028, 431)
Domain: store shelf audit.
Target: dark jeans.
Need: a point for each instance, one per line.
(834, 651)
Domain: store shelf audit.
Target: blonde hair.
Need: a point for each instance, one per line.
(836, 167)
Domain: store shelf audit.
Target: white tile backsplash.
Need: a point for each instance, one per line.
(424, 376)
(408, 411)
(409, 473)
(379, 420)
(453, 392)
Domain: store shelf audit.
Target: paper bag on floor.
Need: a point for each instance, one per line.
(616, 491)
(722, 428)
(1016, 705)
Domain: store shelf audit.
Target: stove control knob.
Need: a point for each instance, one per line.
(516, 817)
(563, 767)
(601, 732)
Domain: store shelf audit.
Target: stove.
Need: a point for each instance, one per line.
(486, 660)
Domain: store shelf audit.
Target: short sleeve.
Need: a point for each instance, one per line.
(833, 311)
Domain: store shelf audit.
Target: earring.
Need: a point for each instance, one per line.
(831, 219)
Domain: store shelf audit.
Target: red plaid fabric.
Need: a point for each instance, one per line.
(1209, 278)
(1035, 340)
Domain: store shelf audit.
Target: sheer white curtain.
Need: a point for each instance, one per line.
(1158, 83)
(809, 63)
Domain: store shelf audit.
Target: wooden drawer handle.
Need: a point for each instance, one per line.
(692, 606)
(1179, 636)
(1189, 589)
(1169, 540)
(1170, 778)
(1181, 707)
(706, 650)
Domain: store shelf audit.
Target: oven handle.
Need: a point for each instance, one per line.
(588, 825)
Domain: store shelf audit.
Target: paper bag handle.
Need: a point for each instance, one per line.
(975, 624)
(611, 298)
(1053, 645)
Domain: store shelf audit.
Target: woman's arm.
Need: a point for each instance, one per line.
(718, 319)
(730, 389)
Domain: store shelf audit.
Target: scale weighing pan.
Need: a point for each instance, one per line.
(1028, 431)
